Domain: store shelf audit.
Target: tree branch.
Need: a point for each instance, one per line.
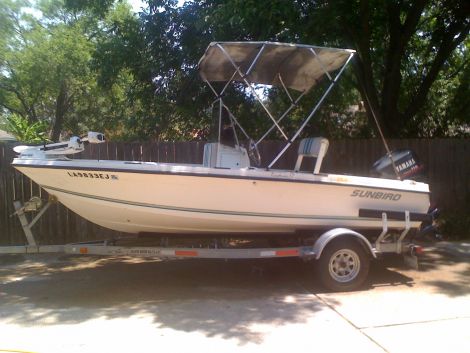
(458, 70)
(363, 63)
(448, 43)
(11, 109)
(400, 35)
(18, 95)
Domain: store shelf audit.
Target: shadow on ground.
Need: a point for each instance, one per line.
(445, 272)
(215, 297)
(452, 272)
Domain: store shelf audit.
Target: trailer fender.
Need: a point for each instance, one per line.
(327, 237)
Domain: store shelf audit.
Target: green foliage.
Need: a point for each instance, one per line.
(395, 70)
(93, 7)
(411, 62)
(24, 131)
(96, 65)
(48, 75)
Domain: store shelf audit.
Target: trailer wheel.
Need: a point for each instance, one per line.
(343, 265)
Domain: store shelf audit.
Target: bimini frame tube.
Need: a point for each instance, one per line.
(312, 113)
(243, 77)
(248, 85)
(292, 106)
(231, 116)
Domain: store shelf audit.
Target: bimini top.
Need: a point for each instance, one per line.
(295, 66)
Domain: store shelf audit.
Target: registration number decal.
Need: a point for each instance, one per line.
(92, 175)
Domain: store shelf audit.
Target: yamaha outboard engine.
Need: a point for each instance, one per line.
(406, 162)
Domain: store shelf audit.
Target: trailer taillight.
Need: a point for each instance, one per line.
(418, 250)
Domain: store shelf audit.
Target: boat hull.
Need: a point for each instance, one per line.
(158, 198)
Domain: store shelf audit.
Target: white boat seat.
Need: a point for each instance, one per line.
(312, 147)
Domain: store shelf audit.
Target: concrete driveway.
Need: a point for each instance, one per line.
(91, 304)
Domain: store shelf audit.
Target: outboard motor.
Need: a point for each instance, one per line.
(406, 162)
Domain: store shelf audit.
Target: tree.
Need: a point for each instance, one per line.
(410, 64)
(47, 73)
(410, 68)
(24, 131)
(136, 77)
(405, 49)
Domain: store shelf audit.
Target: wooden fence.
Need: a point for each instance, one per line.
(447, 163)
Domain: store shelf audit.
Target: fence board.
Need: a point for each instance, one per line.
(447, 163)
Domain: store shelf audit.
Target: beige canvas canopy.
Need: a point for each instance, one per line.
(291, 66)
(294, 66)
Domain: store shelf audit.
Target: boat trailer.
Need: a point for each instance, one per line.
(341, 253)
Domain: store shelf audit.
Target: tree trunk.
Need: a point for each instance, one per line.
(60, 111)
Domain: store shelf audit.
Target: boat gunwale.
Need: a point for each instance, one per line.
(279, 178)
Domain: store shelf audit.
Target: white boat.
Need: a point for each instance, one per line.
(229, 193)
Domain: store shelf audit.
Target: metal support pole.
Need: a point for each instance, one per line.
(314, 110)
(321, 63)
(243, 77)
(25, 224)
(285, 88)
(255, 60)
(236, 122)
(294, 104)
(378, 246)
(213, 90)
(228, 83)
(405, 232)
(232, 117)
(389, 152)
(221, 104)
(233, 125)
(40, 213)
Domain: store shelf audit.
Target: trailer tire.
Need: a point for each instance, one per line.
(343, 265)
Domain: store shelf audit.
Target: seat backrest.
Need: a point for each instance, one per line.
(312, 147)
